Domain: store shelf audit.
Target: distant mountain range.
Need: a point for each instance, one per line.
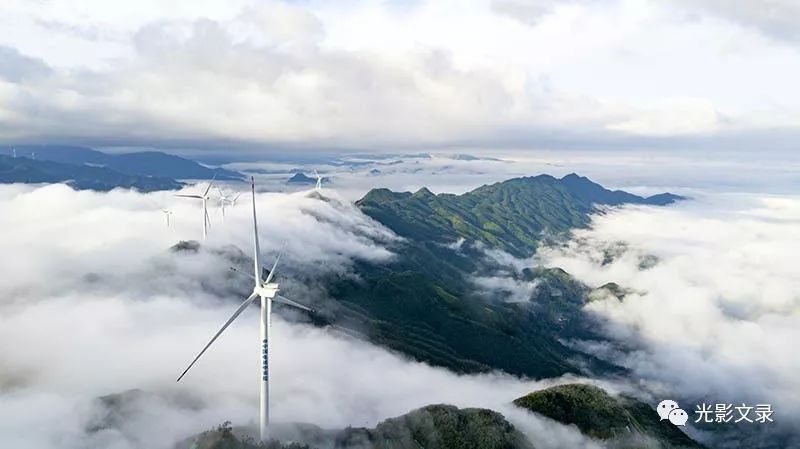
(25, 170)
(144, 170)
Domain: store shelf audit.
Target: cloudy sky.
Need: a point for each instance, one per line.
(250, 75)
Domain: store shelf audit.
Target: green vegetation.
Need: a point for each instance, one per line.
(512, 215)
(424, 303)
(602, 416)
(223, 438)
(431, 427)
(438, 427)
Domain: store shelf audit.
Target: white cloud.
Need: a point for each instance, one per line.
(91, 303)
(777, 18)
(376, 74)
(716, 318)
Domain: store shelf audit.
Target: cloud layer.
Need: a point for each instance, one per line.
(375, 74)
(92, 303)
(715, 320)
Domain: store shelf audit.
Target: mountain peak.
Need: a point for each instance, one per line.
(423, 192)
(511, 215)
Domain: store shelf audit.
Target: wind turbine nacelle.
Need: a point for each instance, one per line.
(268, 290)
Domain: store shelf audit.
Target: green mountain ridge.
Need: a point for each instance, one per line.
(426, 303)
(512, 215)
(625, 421)
(438, 426)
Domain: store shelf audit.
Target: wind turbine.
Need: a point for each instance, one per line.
(167, 213)
(265, 291)
(205, 197)
(319, 181)
(226, 199)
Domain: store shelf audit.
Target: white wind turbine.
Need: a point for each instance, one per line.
(319, 181)
(224, 199)
(265, 291)
(204, 197)
(167, 213)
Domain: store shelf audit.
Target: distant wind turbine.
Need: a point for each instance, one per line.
(319, 181)
(167, 213)
(224, 199)
(14, 153)
(264, 291)
(204, 197)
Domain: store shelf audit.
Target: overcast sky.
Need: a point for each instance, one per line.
(249, 74)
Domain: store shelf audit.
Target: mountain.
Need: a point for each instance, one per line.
(430, 301)
(439, 427)
(431, 427)
(622, 421)
(513, 215)
(301, 178)
(142, 163)
(25, 170)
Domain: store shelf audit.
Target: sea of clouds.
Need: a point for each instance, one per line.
(93, 303)
(717, 319)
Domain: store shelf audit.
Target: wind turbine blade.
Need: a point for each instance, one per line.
(210, 184)
(190, 196)
(208, 220)
(272, 271)
(242, 273)
(289, 302)
(256, 247)
(238, 312)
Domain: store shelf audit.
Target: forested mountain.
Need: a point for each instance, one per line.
(426, 303)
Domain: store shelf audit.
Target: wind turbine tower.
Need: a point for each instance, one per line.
(205, 197)
(167, 213)
(265, 292)
(319, 181)
(223, 200)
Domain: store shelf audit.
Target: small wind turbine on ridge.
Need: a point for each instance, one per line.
(265, 291)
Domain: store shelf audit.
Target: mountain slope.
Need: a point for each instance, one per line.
(25, 170)
(602, 416)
